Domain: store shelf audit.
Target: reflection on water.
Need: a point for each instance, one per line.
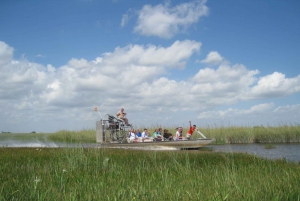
(290, 152)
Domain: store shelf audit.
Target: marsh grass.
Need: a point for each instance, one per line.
(85, 135)
(24, 136)
(105, 174)
(247, 134)
(221, 134)
(256, 134)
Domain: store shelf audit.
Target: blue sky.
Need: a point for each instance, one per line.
(166, 62)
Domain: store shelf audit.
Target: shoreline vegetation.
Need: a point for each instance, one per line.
(222, 135)
(110, 174)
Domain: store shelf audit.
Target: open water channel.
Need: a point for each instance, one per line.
(290, 152)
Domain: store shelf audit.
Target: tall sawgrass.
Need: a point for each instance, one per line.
(85, 135)
(256, 134)
(246, 134)
(103, 174)
(221, 134)
(23, 136)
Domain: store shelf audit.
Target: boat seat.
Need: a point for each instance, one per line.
(114, 121)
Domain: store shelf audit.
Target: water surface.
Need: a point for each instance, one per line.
(290, 152)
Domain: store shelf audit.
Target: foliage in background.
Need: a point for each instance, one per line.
(85, 135)
(221, 134)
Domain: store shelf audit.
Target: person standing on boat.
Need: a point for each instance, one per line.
(191, 131)
(179, 133)
(121, 115)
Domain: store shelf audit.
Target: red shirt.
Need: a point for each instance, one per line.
(191, 130)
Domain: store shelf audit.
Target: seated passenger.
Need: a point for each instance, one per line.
(168, 136)
(145, 135)
(156, 136)
(159, 132)
(138, 133)
(132, 136)
(179, 134)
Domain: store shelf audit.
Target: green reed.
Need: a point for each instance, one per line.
(221, 134)
(85, 135)
(109, 174)
(23, 136)
(246, 134)
(256, 134)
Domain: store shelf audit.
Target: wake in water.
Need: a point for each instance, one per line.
(16, 143)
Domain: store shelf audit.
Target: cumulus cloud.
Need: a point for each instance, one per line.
(134, 77)
(270, 113)
(224, 85)
(275, 85)
(173, 56)
(121, 77)
(165, 21)
(6, 53)
(292, 111)
(213, 58)
(237, 113)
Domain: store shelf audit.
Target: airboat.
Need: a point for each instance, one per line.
(113, 132)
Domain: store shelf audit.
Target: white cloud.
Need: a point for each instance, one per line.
(33, 95)
(261, 114)
(275, 85)
(288, 112)
(237, 113)
(223, 86)
(165, 21)
(6, 53)
(213, 58)
(125, 19)
(173, 56)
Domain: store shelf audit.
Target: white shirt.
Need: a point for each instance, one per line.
(178, 135)
(144, 134)
(132, 136)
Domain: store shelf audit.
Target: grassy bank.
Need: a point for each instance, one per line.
(103, 174)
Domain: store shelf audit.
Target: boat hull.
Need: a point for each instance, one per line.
(176, 144)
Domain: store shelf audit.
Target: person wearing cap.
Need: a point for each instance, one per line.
(191, 130)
